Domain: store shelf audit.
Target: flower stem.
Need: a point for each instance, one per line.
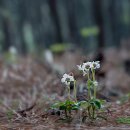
(89, 95)
(93, 77)
(66, 113)
(89, 113)
(88, 76)
(89, 92)
(69, 92)
(75, 91)
(93, 74)
(93, 115)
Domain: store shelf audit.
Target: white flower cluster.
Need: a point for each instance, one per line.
(85, 67)
(66, 79)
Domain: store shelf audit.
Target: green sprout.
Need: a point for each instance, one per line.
(123, 120)
(9, 114)
(66, 106)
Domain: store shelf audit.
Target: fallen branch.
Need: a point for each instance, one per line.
(23, 112)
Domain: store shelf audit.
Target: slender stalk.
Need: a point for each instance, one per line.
(66, 113)
(93, 77)
(75, 91)
(89, 114)
(89, 95)
(95, 92)
(89, 92)
(93, 74)
(93, 115)
(69, 92)
(88, 76)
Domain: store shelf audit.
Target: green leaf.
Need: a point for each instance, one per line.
(56, 105)
(75, 108)
(63, 107)
(102, 101)
(68, 102)
(97, 104)
(66, 105)
(83, 104)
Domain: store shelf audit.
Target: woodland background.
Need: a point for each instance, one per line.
(30, 25)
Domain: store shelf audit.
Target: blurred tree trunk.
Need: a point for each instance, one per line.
(58, 21)
(6, 31)
(72, 22)
(55, 17)
(97, 6)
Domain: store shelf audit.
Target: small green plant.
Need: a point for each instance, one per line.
(67, 106)
(90, 106)
(9, 114)
(123, 120)
(93, 104)
(124, 98)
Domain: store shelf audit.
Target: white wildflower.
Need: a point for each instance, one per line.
(95, 65)
(87, 66)
(80, 67)
(66, 79)
(84, 68)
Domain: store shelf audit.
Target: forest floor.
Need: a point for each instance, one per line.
(29, 87)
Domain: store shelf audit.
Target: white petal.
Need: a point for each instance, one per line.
(71, 78)
(65, 75)
(95, 65)
(84, 73)
(80, 67)
(63, 80)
